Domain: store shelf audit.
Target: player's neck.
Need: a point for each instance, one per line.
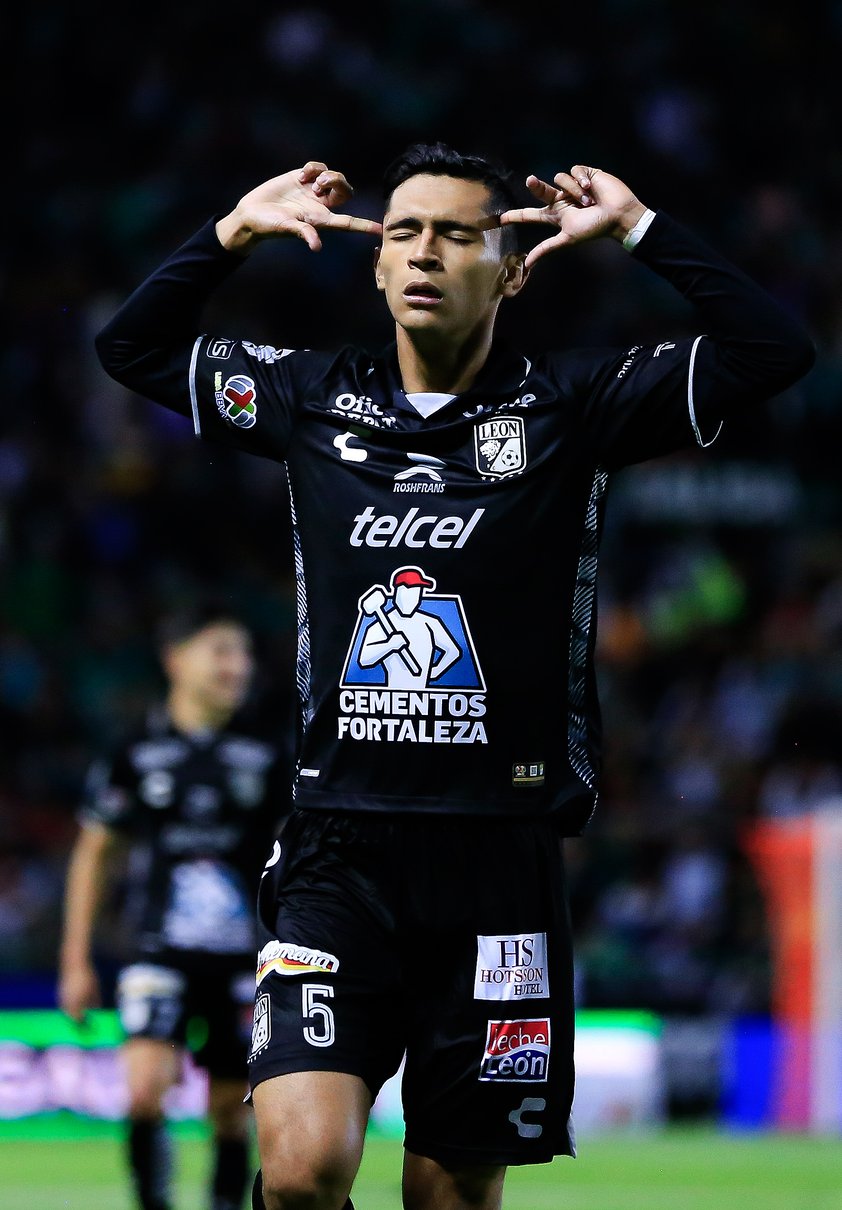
(430, 362)
(191, 714)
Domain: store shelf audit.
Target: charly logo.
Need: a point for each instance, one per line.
(412, 674)
(349, 448)
(239, 400)
(530, 1105)
(500, 446)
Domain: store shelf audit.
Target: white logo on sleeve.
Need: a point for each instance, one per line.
(512, 967)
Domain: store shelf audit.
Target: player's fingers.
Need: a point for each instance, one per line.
(302, 227)
(529, 214)
(311, 170)
(572, 189)
(584, 174)
(547, 245)
(541, 189)
(350, 222)
(332, 188)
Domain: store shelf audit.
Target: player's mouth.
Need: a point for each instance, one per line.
(422, 294)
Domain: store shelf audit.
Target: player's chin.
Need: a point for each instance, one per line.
(421, 318)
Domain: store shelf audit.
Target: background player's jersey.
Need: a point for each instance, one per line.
(202, 811)
(447, 566)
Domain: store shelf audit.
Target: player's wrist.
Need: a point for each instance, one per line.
(235, 234)
(627, 220)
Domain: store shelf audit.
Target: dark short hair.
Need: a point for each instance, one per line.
(184, 621)
(437, 159)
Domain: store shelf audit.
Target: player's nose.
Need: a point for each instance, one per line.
(424, 253)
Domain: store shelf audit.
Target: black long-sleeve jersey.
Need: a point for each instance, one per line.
(202, 812)
(446, 567)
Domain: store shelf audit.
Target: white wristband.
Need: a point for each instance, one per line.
(638, 230)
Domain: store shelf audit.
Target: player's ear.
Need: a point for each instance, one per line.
(378, 272)
(515, 274)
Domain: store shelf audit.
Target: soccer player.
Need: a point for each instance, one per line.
(201, 790)
(447, 498)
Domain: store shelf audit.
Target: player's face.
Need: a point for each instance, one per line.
(215, 666)
(440, 264)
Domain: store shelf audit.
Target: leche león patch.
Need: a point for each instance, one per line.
(516, 1052)
(531, 774)
(512, 966)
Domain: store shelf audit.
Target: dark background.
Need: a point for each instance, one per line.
(721, 583)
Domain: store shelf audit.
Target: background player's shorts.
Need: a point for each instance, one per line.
(204, 1002)
(443, 938)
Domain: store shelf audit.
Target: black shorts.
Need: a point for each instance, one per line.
(203, 1002)
(445, 940)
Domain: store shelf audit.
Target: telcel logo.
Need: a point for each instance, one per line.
(414, 529)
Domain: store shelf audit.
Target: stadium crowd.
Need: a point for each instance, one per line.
(721, 589)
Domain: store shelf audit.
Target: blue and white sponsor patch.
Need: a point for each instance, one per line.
(517, 1052)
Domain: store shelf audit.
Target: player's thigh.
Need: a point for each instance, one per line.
(310, 1132)
(427, 1183)
(151, 1067)
(328, 974)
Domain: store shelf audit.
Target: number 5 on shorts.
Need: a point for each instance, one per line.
(319, 1028)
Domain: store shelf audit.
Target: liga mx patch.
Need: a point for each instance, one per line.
(237, 399)
(517, 1052)
(512, 967)
(284, 958)
(261, 1030)
(500, 446)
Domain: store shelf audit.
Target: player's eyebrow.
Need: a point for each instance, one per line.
(439, 225)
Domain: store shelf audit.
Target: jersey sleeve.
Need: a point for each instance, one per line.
(247, 394)
(235, 391)
(652, 399)
(108, 797)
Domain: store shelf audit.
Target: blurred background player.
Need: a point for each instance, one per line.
(199, 790)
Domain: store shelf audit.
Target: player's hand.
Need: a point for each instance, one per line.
(397, 642)
(584, 203)
(78, 991)
(300, 203)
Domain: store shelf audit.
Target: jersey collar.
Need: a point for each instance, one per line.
(503, 373)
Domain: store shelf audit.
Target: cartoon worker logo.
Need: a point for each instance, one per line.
(411, 638)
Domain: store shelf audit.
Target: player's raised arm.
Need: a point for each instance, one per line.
(584, 203)
(149, 344)
(298, 203)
